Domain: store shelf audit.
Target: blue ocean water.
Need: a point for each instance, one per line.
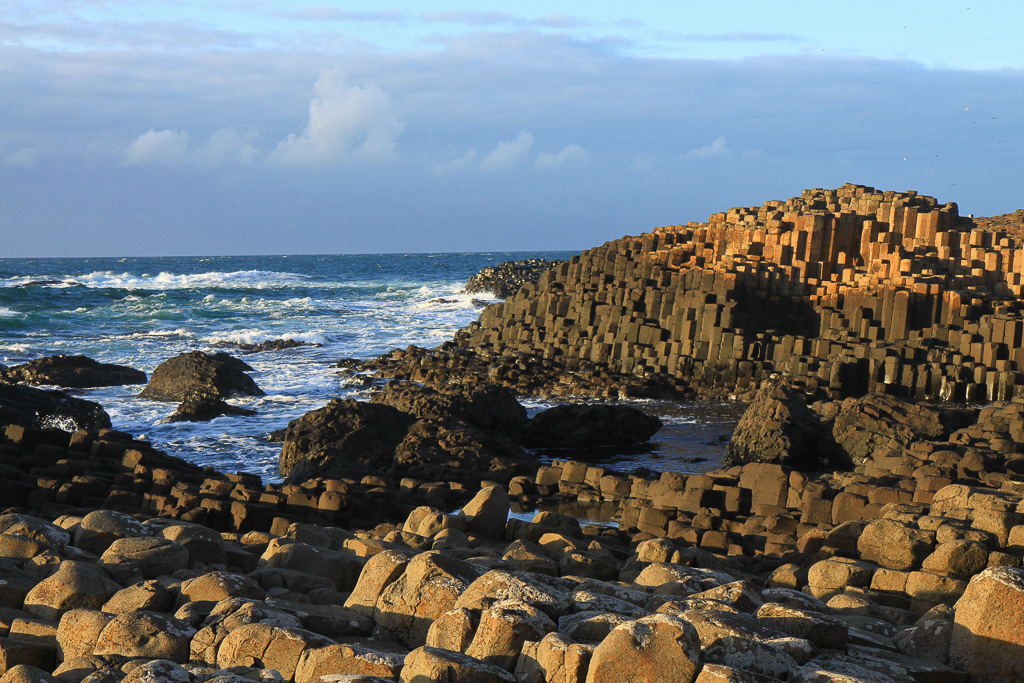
(142, 311)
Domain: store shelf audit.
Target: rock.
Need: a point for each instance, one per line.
(453, 630)
(429, 587)
(379, 572)
(487, 407)
(549, 594)
(157, 671)
(487, 513)
(100, 528)
(456, 451)
(75, 372)
(507, 277)
(145, 634)
(555, 659)
(589, 426)
(750, 655)
(821, 629)
(342, 437)
(268, 647)
(25, 673)
(274, 345)
(149, 555)
(332, 660)
(197, 374)
(204, 409)
(42, 409)
(655, 648)
(881, 426)
(209, 589)
(342, 569)
(150, 595)
(503, 629)
(988, 630)
(74, 585)
(78, 631)
(895, 545)
(430, 664)
(778, 427)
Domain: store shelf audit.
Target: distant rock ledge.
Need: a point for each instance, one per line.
(505, 279)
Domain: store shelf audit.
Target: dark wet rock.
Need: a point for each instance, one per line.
(205, 408)
(196, 374)
(878, 425)
(504, 279)
(488, 407)
(458, 451)
(276, 436)
(342, 437)
(40, 408)
(274, 345)
(589, 426)
(47, 283)
(779, 427)
(79, 372)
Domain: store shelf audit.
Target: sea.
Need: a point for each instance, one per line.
(140, 312)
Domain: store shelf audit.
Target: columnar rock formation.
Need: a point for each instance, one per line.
(852, 290)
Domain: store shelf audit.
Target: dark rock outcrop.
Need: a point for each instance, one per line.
(205, 408)
(78, 372)
(274, 345)
(589, 426)
(505, 279)
(451, 450)
(778, 427)
(881, 426)
(39, 408)
(344, 437)
(197, 374)
(488, 407)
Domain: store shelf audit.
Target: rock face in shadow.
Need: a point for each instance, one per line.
(505, 279)
(488, 407)
(778, 427)
(78, 372)
(878, 426)
(39, 408)
(344, 437)
(589, 426)
(204, 409)
(197, 374)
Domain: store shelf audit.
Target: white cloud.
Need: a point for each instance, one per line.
(715, 149)
(168, 147)
(228, 145)
(508, 154)
(571, 155)
(27, 157)
(466, 161)
(345, 122)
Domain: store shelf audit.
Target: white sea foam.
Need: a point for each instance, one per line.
(239, 279)
(8, 313)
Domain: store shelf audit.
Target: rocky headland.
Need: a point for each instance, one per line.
(868, 524)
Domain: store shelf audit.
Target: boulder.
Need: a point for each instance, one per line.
(204, 409)
(196, 374)
(343, 437)
(274, 345)
(487, 513)
(74, 585)
(504, 628)
(74, 372)
(878, 426)
(431, 664)
(150, 555)
(589, 426)
(100, 528)
(451, 450)
(655, 648)
(488, 407)
(268, 647)
(333, 660)
(988, 630)
(41, 409)
(505, 279)
(145, 634)
(778, 427)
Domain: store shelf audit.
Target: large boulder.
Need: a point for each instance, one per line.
(505, 279)
(77, 372)
(881, 426)
(488, 407)
(779, 427)
(200, 374)
(343, 437)
(40, 409)
(654, 648)
(204, 409)
(589, 426)
(451, 450)
(988, 630)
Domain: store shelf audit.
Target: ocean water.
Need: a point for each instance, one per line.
(142, 311)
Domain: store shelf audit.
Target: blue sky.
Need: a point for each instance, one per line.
(263, 126)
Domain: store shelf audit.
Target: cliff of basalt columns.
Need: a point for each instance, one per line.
(846, 291)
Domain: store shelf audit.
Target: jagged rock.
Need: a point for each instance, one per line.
(879, 426)
(274, 345)
(342, 437)
(589, 426)
(455, 451)
(204, 409)
(507, 277)
(488, 407)
(778, 427)
(42, 409)
(198, 374)
(76, 372)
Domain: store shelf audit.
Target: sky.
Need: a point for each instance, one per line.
(181, 127)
